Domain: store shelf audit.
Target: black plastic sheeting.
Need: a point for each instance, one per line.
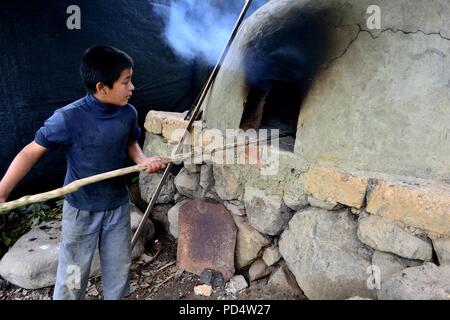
(39, 61)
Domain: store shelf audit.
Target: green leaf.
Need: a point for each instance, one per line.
(135, 180)
(6, 239)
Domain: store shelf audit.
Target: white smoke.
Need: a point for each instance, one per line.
(198, 28)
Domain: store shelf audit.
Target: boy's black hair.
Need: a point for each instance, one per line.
(103, 64)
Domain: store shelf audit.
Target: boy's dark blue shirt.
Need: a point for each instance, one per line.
(95, 138)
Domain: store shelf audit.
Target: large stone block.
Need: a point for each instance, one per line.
(153, 122)
(323, 252)
(294, 195)
(173, 128)
(423, 207)
(266, 213)
(165, 123)
(382, 234)
(228, 182)
(249, 242)
(156, 145)
(188, 184)
(385, 265)
(335, 187)
(32, 262)
(149, 182)
(425, 282)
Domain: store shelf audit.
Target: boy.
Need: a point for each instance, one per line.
(97, 133)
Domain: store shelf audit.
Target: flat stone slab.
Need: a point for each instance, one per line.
(425, 282)
(384, 235)
(335, 187)
(322, 250)
(165, 123)
(206, 237)
(31, 263)
(423, 207)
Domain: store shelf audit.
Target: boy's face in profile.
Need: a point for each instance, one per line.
(121, 91)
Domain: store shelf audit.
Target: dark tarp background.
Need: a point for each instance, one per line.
(39, 61)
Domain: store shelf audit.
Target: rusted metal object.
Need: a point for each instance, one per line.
(206, 237)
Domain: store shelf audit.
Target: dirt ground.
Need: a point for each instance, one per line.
(154, 279)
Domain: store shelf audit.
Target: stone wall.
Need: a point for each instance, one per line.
(341, 232)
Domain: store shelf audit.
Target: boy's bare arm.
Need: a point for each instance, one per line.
(19, 167)
(137, 155)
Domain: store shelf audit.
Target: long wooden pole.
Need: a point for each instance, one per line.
(77, 184)
(193, 116)
(71, 187)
